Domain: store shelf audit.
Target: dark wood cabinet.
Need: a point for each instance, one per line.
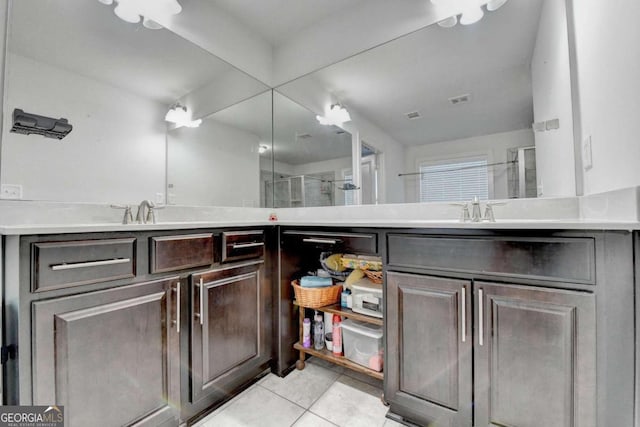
(534, 357)
(110, 357)
(533, 353)
(430, 341)
(229, 329)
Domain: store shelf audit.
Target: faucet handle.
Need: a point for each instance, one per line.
(127, 217)
(465, 216)
(488, 211)
(151, 214)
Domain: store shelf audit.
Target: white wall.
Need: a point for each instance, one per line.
(551, 83)
(608, 68)
(494, 147)
(222, 35)
(115, 153)
(213, 165)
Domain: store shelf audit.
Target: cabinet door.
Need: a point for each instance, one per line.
(110, 357)
(534, 357)
(226, 326)
(429, 344)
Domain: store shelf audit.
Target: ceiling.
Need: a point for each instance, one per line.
(86, 37)
(278, 20)
(489, 60)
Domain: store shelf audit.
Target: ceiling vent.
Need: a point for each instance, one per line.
(413, 115)
(460, 99)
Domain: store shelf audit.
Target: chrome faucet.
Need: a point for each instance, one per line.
(128, 217)
(476, 214)
(145, 212)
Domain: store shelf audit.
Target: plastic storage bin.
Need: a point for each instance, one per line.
(362, 343)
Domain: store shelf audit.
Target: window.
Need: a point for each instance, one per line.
(454, 180)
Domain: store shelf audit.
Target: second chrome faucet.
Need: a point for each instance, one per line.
(145, 215)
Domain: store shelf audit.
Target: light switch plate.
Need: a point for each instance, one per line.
(11, 191)
(587, 159)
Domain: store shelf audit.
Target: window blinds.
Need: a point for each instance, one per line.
(458, 180)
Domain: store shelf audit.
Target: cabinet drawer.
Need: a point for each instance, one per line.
(171, 253)
(327, 241)
(58, 265)
(549, 258)
(237, 245)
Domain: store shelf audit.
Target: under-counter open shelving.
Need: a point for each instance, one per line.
(328, 355)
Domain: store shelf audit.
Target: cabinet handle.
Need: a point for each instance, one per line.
(325, 241)
(73, 266)
(201, 304)
(247, 245)
(480, 318)
(463, 296)
(177, 290)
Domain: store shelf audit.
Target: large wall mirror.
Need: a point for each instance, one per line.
(115, 81)
(313, 165)
(453, 111)
(440, 114)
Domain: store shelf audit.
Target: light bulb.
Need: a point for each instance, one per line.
(127, 13)
(151, 24)
(263, 149)
(495, 5)
(449, 22)
(471, 15)
(107, 2)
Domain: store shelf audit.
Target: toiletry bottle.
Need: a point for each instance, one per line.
(337, 336)
(318, 332)
(306, 333)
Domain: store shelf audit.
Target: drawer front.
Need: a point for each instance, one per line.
(172, 253)
(238, 245)
(362, 243)
(558, 259)
(57, 265)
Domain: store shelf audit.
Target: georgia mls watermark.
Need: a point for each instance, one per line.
(31, 416)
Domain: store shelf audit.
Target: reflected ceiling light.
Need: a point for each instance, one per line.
(471, 15)
(180, 116)
(133, 11)
(495, 5)
(262, 148)
(449, 22)
(334, 115)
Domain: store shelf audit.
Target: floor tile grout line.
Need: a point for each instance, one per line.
(320, 416)
(312, 403)
(282, 397)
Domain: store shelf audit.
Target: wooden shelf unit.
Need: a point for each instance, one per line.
(326, 354)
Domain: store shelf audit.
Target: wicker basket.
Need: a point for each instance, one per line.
(316, 297)
(374, 276)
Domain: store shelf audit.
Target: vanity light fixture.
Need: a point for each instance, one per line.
(336, 114)
(471, 14)
(133, 10)
(262, 148)
(179, 115)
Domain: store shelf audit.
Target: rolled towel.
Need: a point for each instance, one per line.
(315, 282)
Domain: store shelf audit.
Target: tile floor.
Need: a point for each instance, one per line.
(322, 394)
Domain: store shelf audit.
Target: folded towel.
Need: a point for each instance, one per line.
(315, 282)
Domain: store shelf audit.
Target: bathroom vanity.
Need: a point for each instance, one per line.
(484, 325)
(144, 328)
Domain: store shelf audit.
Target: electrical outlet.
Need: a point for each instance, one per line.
(587, 158)
(11, 191)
